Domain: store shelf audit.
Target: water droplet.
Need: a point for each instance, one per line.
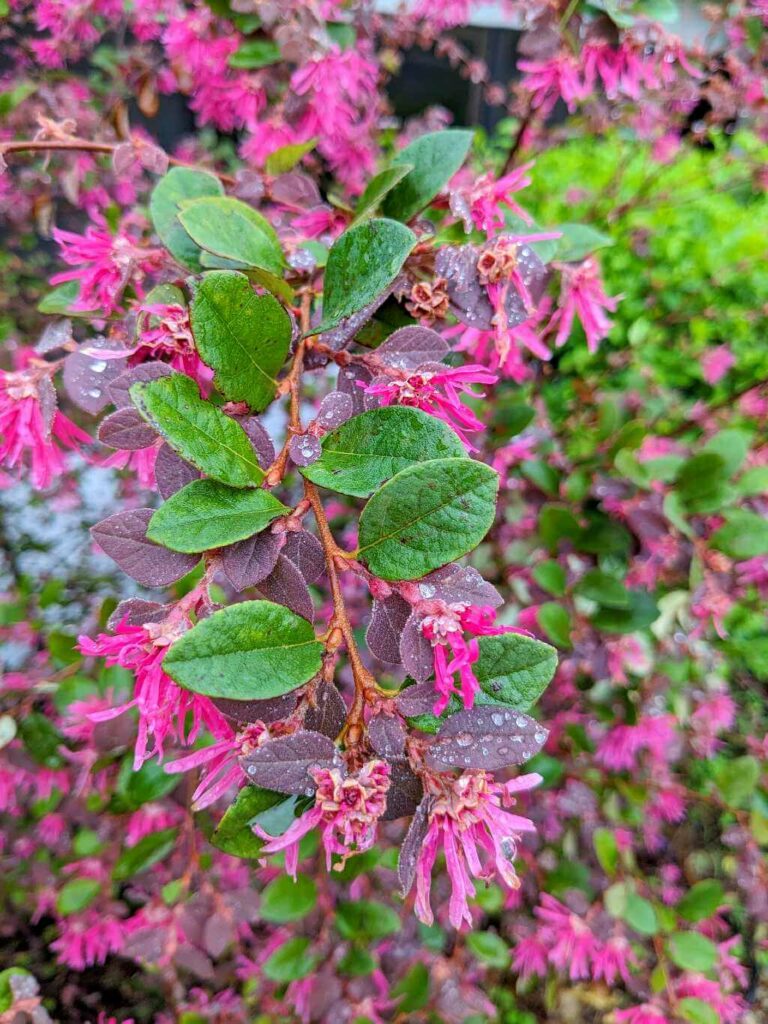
(99, 366)
(251, 769)
(508, 847)
(94, 392)
(497, 719)
(426, 590)
(464, 739)
(520, 722)
(502, 751)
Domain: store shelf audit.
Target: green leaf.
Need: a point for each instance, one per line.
(255, 53)
(701, 900)
(76, 895)
(242, 336)
(285, 900)
(6, 992)
(557, 524)
(59, 301)
(373, 447)
(286, 158)
(435, 158)
(657, 10)
(515, 669)
(640, 614)
(745, 535)
(640, 915)
(42, 739)
(489, 948)
(606, 849)
(542, 475)
(198, 431)
(378, 187)
(357, 963)
(206, 514)
(362, 263)
(579, 241)
(412, 990)
(177, 186)
(426, 516)
(231, 229)
(148, 851)
(366, 919)
(248, 651)
(737, 779)
(603, 589)
(697, 1011)
(692, 952)
(136, 787)
(732, 447)
(753, 483)
(556, 623)
(233, 834)
(551, 577)
(701, 482)
(290, 961)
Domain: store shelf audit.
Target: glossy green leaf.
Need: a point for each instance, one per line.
(291, 961)
(255, 53)
(692, 951)
(366, 919)
(362, 263)
(697, 1011)
(285, 158)
(247, 651)
(606, 849)
(179, 185)
(234, 834)
(197, 430)
(744, 535)
(242, 336)
(515, 669)
(640, 915)
(701, 900)
(207, 514)
(603, 589)
(378, 187)
(148, 851)
(232, 230)
(550, 576)
(489, 948)
(136, 787)
(287, 900)
(435, 158)
(426, 516)
(371, 448)
(556, 623)
(77, 894)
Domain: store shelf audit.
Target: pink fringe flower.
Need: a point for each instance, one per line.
(487, 198)
(552, 79)
(582, 295)
(221, 770)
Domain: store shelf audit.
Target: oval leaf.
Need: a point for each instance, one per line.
(486, 738)
(232, 230)
(178, 185)
(515, 669)
(435, 158)
(123, 537)
(283, 764)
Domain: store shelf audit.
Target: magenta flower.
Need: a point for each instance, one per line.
(437, 392)
(487, 198)
(647, 1013)
(221, 770)
(165, 331)
(552, 79)
(347, 809)
(88, 939)
(468, 820)
(571, 942)
(582, 295)
(716, 363)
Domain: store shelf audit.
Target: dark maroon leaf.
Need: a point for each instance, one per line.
(192, 959)
(283, 764)
(249, 186)
(335, 409)
(295, 189)
(417, 700)
(329, 712)
(136, 612)
(126, 430)
(411, 347)
(340, 336)
(250, 561)
(48, 400)
(123, 537)
(172, 472)
(459, 584)
(412, 844)
(260, 439)
(387, 623)
(349, 383)
(273, 710)
(404, 793)
(387, 736)
(306, 552)
(120, 386)
(152, 158)
(490, 737)
(416, 650)
(285, 585)
(87, 378)
(55, 334)
(304, 449)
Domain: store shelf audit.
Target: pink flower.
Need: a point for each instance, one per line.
(552, 79)
(612, 960)
(220, 760)
(487, 197)
(529, 957)
(571, 942)
(645, 1014)
(713, 715)
(582, 295)
(437, 392)
(347, 809)
(716, 363)
(165, 330)
(88, 939)
(467, 818)
(141, 463)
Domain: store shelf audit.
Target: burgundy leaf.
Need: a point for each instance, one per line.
(126, 430)
(340, 336)
(417, 700)
(55, 334)
(123, 537)
(48, 401)
(283, 764)
(218, 933)
(306, 552)
(412, 844)
(329, 712)
(260, 439)
(152, 158)
(249, 186)
(488, 737)
(172, 472)
(387, 736)
(250, 561)
(349, 382)
(387, 623)
(411, 347)
(296, 190)
(404, 793)
(275, 709)
(87, 378)
(120, 386)
(459, 584)
(124, 158)
(335, 409)
(136, 612)
(416, 650)
(304, 449)
(192, 959)
(285, 585)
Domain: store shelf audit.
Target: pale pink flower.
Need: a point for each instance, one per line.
(487, 197)
(571, 942)
(716, 363)
(141, 463)
(582, 295)
(347, 809)
(715, 714)
(221, 770)
(529, 957)
(552, 79)
(468, 820)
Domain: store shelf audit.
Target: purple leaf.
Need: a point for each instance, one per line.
(123, 537)
(124, 159)
(285, 585)
(411, 347)
(126, 430)
(259, 438)
(120, 386)
(304, 449)
(417, 700)
(387, 736)
(136, 612)
(275, 709)
(48, 400)
(152, 158)
(87, 378)
(335, 409)
(55, 334)
(404, 793)
(218, 934)
(488, 737)
(348, 382)
(306, 552)
(459, 584)
(387, 623)
(249, 186)
(296, 190)
(415, 650)
(283, 764)
(250, 561)
(340, 336)
(172, 472)
(412, 844)
(329, 712)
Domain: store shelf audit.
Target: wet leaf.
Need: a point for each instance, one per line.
(435, 158)
(388, 620)
(486, 738)
(283, 764)
(178, 185)
(123, 536)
